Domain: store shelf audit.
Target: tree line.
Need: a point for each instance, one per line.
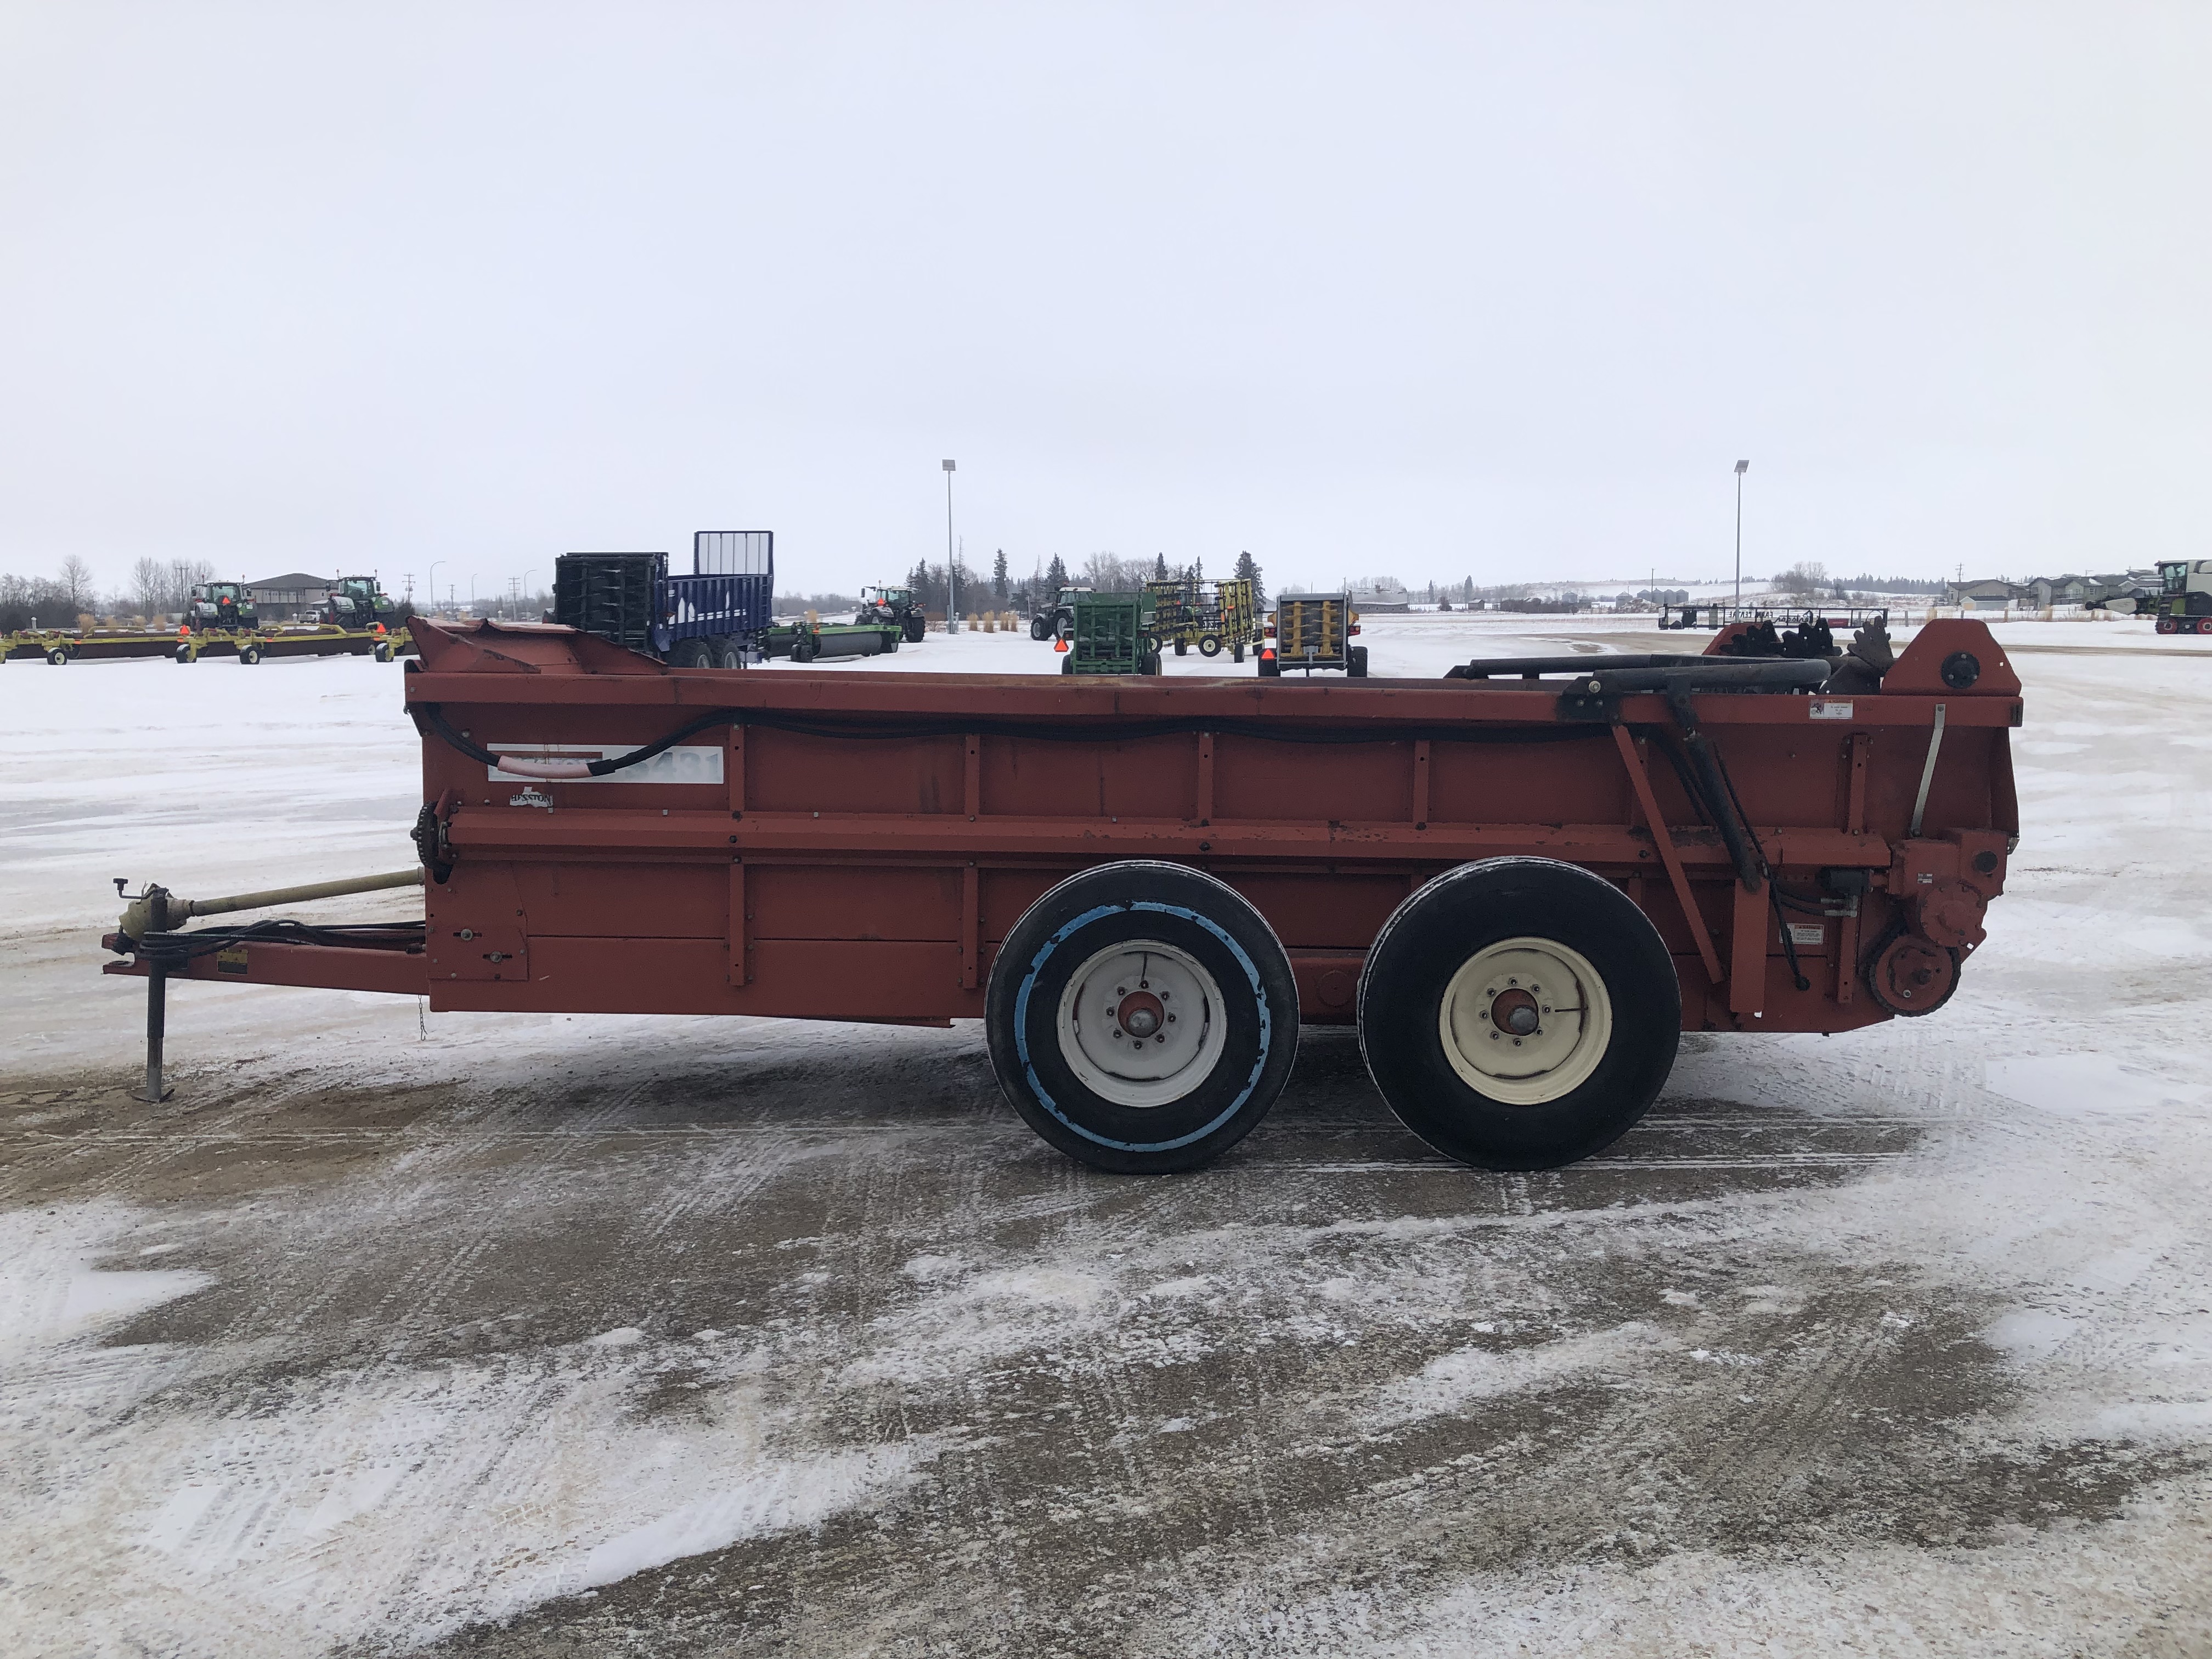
(158, 588)
(1106, 573)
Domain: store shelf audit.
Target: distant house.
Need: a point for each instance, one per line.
(278, 598)
(1995, 594)
(1381, 595)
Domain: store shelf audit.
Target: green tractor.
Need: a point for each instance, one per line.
(219, 608)
(1055, 618)
(894, 607)
(1111, 634)
(357, 603)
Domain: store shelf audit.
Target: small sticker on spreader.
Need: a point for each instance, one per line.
(1831, 711)
(231, 960)
(1808, 933)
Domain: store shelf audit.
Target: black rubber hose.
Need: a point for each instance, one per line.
(174, 950)
(1484, 668)
(431, 717)
(1716, 793)
(1759, 674)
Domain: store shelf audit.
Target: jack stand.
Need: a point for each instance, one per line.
(157, 1000)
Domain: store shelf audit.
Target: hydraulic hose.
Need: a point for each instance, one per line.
(557, 770)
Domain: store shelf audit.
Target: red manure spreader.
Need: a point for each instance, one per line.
(1522, 881)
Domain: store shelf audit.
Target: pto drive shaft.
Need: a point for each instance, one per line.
(157, 910)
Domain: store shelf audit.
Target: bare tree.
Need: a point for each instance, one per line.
(76, 584)
(149, 587)
(1110, 573)
(182, 573)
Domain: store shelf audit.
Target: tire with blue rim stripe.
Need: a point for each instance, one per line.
(1142, 1017)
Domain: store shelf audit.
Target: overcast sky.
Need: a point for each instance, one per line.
(1436, 291)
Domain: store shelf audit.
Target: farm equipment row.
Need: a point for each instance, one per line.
(187, 645)
(1128, 633)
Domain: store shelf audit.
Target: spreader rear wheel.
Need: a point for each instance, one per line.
(1519, 1013)
(1142, 1018)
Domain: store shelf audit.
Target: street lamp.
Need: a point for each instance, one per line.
(952, 562)
(433, 583)
(529, 592)
(472, 592)
(1741, 467)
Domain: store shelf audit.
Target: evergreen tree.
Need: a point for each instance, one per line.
(1055, 575)
(1159, 567)
(1247, 571)
(999, 578)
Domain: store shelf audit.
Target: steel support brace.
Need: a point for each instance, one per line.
(1640, 780)
(740, 929)
(971, 925)
(1928, 771)
(1754, 915)
(1847, 928)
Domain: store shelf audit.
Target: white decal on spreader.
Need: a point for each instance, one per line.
(1831, 711)
(689, 763)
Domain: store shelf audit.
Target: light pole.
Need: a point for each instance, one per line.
(951, 561)
(433, 583)
(529, 593)
(1741, 467)
(472, 592)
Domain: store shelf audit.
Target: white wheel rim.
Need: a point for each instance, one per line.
(1141, 1024)
(1486, 1021)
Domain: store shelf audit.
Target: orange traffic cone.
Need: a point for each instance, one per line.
(1059, 643)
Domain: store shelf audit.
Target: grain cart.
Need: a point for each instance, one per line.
(1112, 634)
(1310, 631)
(2185, 605)
(715, 617)
(1522, 884)
(898, 606)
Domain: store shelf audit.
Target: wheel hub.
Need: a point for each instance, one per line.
(1514, 1013)
(1141, 1014)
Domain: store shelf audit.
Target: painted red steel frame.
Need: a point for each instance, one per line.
(866, 878)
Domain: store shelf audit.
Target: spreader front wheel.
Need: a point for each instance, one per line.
(1142, 1018)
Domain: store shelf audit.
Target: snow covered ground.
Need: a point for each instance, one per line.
(504, 1335)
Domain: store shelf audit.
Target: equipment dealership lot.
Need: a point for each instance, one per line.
(551, 1335)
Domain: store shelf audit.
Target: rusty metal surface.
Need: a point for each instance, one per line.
(868, 866)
